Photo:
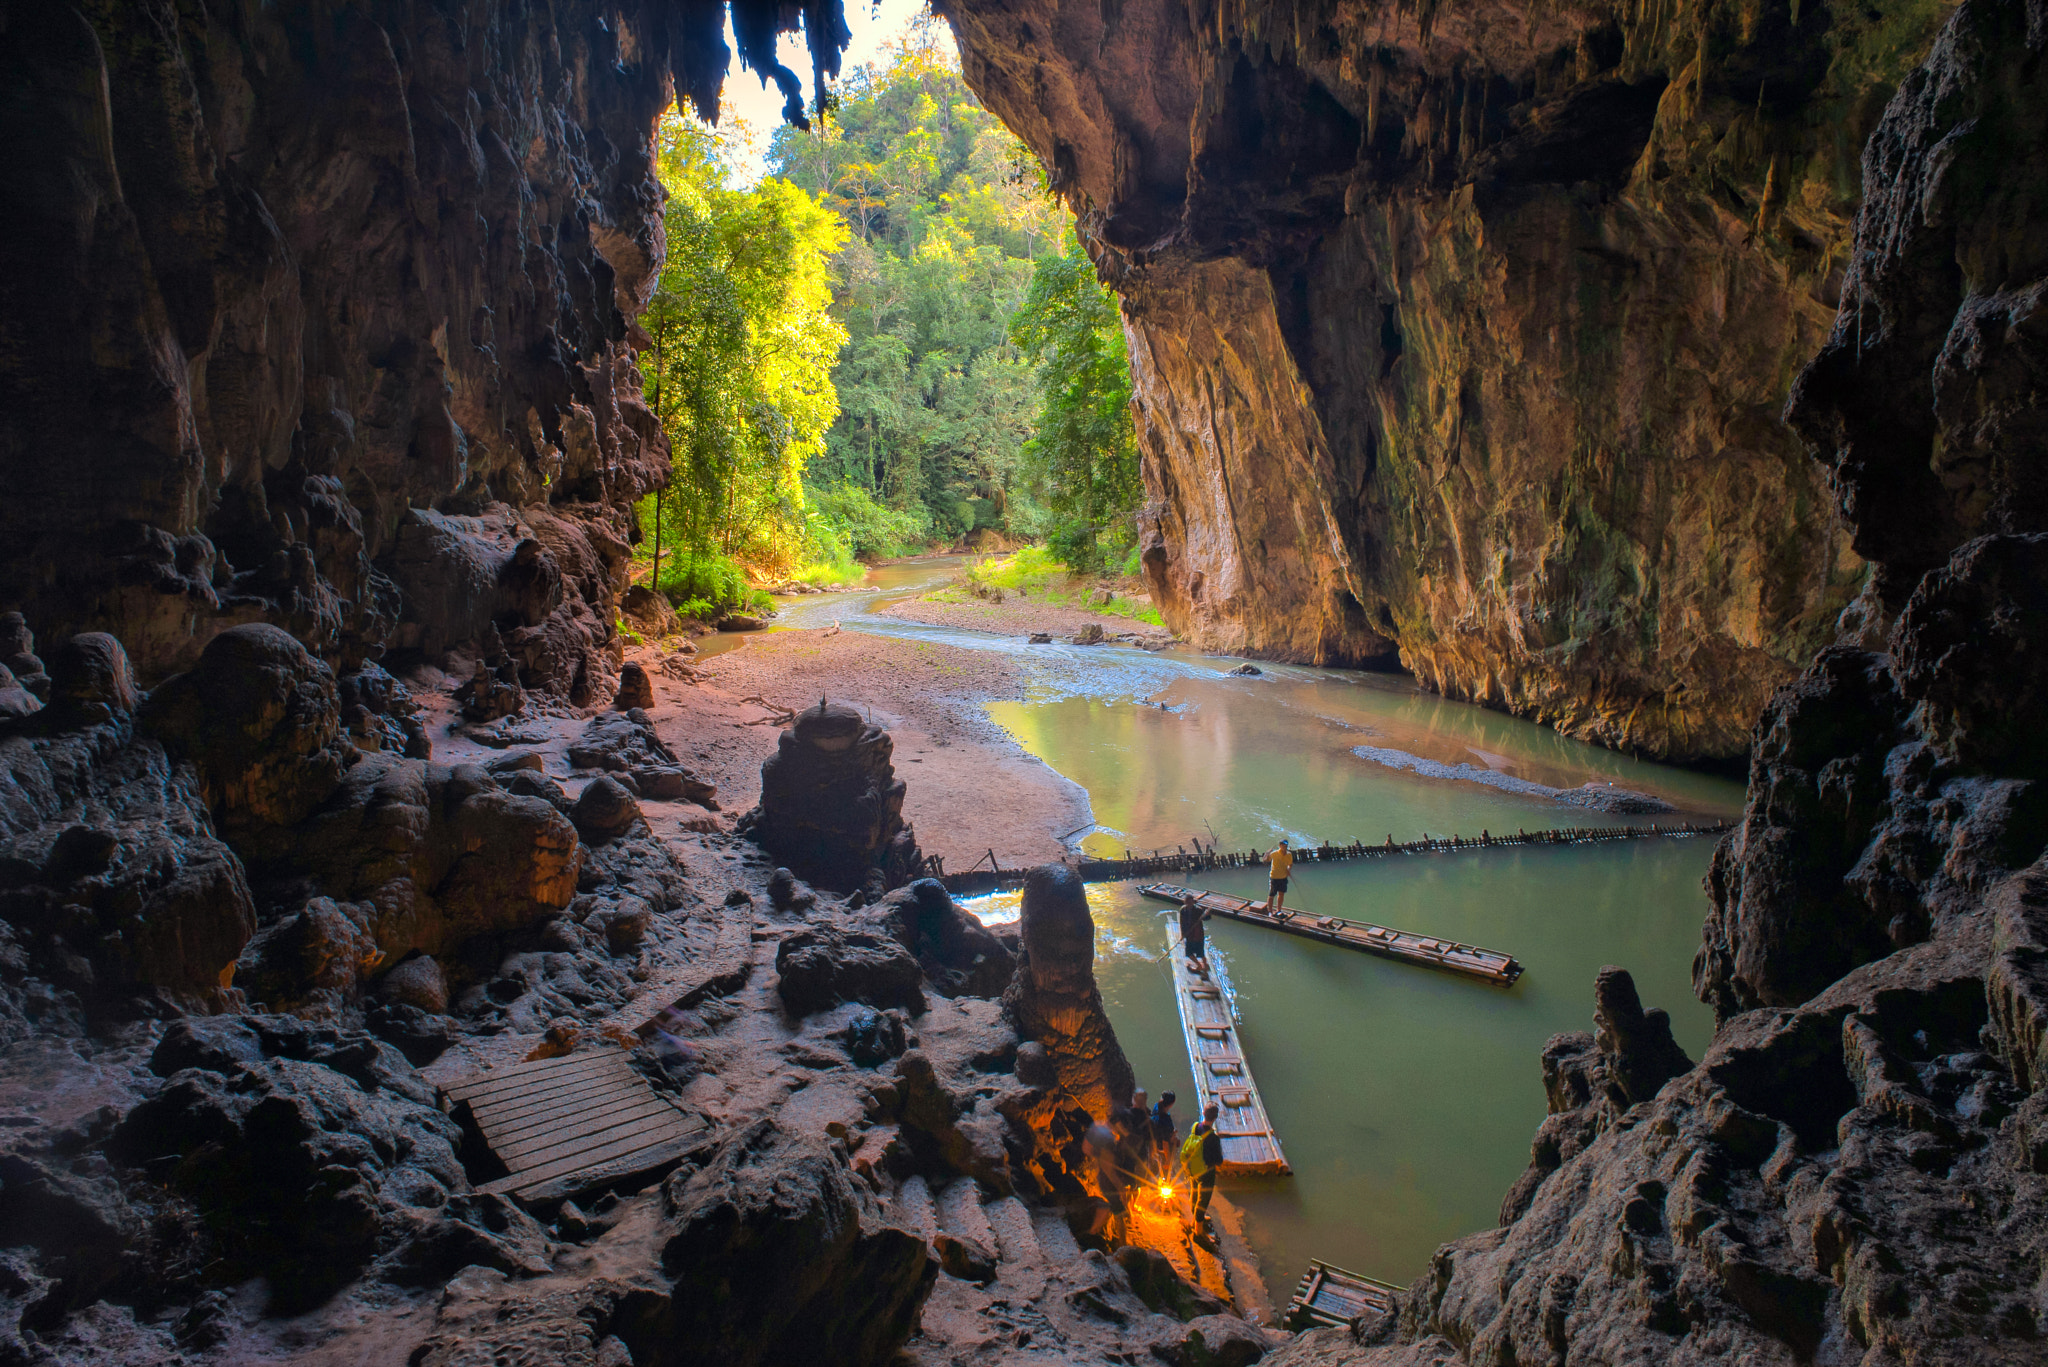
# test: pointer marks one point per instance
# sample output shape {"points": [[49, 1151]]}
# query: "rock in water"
{"points": [[1089, 635], [636, 689], [773, 1263], [831, 804], [1054, 1001]]}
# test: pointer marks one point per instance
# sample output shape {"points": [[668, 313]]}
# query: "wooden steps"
{"points": [[1216, 1057], [1487, 965], [567, 1125], [1330, 1295]]}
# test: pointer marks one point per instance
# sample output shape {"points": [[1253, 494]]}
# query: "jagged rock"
{"points": [[1154, 1282], [1090, 634], [1222, 1341], [112, 878], [775, 1258], [788, 893], [959, 955], [648, 611], [488, 695], [392, 716], [625, 743], [874, 1037], [15, 700], [963, 1257], [624, 926], [1053, 1000], [303, 1146], [822, 966], [18, 656], [261, 720], [636, 689], [416, 981], [315, 959], [604, 810], [831, 804]]}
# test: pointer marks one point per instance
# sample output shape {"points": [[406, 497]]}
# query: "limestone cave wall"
{"points": [[1461, 333], [314, 313]]}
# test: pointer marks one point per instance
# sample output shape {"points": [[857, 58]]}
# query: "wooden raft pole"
{"points": [[1330, 1295], [1216, 1057], [1202, 858], [1430, 951]]}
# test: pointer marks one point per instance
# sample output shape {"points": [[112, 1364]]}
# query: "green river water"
{"points": [[1405, 1098]]}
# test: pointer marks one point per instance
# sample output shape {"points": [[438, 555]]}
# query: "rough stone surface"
{"points": [[1053, 1000], [959, 955], [778, 1257], [831, 804], [315, 359], [823, 966], [1460, 334]]}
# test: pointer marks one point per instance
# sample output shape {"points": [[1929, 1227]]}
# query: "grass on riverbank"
{"points": [[1034, 573]]}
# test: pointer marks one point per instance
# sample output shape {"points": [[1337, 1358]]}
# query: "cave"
{"points": [[1669, 377]]}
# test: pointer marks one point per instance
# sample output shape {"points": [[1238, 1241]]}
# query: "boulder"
{"points": [[626, 743], [636, 689], [605, 809], [1090, 634], [304, 1147], [1247, 671], [787, 892], [831, 804], [261, 720], [874, 1037], [965, 1257], [314, 959], [959, 955], [416, 981], [1040, 638], [91, 681], [16, 701], [823, 966], [625, 925], [647, 611], [772, 1261], [1053, 999]]}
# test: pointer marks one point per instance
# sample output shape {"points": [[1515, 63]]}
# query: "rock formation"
{"points": [[831, 804], [1858, 1167], [1054, 1002], [1460, 334], [330, 318]]}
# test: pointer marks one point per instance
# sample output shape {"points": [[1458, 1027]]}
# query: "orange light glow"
{"points": [[1165, 1192]]}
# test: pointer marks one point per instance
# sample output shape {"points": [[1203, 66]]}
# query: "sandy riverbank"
{"points": [[1021, 617]]}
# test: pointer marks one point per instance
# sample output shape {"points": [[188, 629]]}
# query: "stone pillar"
{"points": [[1053, 1001]]}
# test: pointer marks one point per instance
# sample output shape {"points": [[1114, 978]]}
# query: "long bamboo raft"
{"points": [[1330, 1295], [1202, 858], [1216, 1056], [1430, 951]]}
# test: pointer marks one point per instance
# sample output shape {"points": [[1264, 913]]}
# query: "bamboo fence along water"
{"points": [[1431, 951], [1202, 858], [1208, 1021]]}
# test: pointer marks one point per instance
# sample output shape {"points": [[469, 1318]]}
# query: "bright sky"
{"points": [[875, 24]]}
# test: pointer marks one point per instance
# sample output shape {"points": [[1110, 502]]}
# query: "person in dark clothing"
{"points": [[1192, 936], [1212, 1158], [1099, 1146], [1163, 1127]]}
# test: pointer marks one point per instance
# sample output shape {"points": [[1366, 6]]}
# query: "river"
{"points": [[1405, 1098]]}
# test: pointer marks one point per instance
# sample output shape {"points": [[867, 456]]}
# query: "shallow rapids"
{"points": [[1405, 1098]]}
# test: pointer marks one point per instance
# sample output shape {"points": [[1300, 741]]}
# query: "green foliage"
{"points": [[707, 585], [945, 212], [1085, 455], [738, 372], [1035, 572], [848, 522]]}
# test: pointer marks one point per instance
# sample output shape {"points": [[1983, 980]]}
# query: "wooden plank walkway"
{"points": [[1203, 857], [1330, 1295], [571, 1124], [1488, 965], [1216, 1057]]}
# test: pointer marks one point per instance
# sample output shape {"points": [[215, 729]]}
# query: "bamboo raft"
{"points": [[1330, 1295], [1216, 1056], [1488, 965], [1202, 857], [564, 1127]]}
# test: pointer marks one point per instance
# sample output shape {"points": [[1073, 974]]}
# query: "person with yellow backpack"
{"points": [[1201, 1153]]}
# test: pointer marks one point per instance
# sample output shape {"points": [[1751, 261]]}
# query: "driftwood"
{"points": [[778, 714]]}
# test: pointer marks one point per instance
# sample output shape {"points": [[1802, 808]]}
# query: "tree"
{"points": [[1085, 455], [742, 343]]}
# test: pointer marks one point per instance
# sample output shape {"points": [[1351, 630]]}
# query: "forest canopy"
{"points": [[838, 354]]}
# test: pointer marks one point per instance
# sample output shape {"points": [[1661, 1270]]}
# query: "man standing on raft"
{"points": [[1280, 861], [1193, 941]]}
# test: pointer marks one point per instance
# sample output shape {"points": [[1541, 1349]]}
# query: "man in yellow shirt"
{"points": [[1280, 861]]}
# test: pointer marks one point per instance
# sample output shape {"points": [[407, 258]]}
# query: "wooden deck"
{"points": [[1485, 964], [1330, 1295], [577, 1123], [1217, 1058]]}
